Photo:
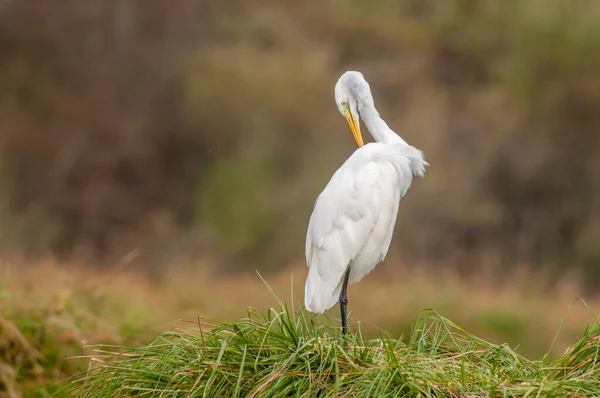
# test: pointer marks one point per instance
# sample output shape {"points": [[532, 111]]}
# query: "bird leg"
{"points": [[344, 301]]}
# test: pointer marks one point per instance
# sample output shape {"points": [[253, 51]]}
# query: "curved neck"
{"points": [[377, 127]]}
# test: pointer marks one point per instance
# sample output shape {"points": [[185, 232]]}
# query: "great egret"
{"points": [[353, 219]]}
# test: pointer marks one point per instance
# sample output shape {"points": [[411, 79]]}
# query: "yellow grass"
{"points": [[512, 311], [50, 313]]}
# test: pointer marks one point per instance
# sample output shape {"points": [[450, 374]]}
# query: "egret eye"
{"points": [[345, 106]]}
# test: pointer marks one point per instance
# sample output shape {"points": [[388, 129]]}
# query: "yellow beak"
{"points": [[354, 126]]}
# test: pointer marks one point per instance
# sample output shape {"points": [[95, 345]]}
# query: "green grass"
{"points": [[288, 353], [49, 317], [45, 328]]}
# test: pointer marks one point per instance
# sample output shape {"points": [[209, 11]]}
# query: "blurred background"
{"points": [[159, 153]]}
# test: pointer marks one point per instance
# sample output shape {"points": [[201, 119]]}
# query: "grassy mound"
{"points": [[287, 353]]}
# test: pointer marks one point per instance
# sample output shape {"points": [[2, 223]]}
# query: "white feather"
{"points": [[354, 216]]}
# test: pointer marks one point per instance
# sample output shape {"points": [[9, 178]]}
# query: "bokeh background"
{"points": [[155, 155]]}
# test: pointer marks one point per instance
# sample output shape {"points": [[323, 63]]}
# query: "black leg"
{"points": [[344, 301]]}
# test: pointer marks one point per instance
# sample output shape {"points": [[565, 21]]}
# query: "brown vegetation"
{"points": [[208, 127]]}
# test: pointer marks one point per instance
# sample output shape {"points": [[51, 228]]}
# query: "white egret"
{"points": [[353, 219]]}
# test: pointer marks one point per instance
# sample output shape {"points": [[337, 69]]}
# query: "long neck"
{"points": [[378, 127]]}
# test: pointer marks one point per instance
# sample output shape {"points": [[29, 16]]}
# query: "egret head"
{"points": [[351, 93]]}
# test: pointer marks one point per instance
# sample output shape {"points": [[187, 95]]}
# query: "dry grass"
{"points": [[53, 312]]}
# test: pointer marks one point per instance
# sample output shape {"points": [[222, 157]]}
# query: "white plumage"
{"points": [[353, 218]]}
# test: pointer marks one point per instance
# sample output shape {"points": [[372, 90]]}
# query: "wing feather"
{"points": [[344, 216]]}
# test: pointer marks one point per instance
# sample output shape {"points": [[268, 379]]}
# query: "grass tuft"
{"points": [[281, 352]]}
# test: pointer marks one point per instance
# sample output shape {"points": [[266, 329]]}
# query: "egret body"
{"points": [[353, 219]]}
